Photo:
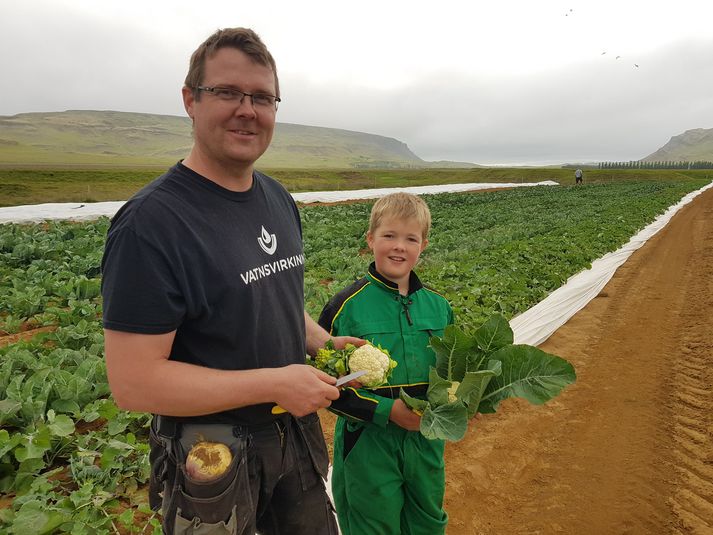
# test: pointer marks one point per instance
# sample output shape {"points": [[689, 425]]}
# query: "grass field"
{"points": [[36, 185]]}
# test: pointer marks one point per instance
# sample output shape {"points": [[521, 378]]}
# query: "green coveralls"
{"points": [[386, 480]]}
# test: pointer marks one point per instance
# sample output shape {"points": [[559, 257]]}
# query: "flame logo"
{"points": [[267, 241]]}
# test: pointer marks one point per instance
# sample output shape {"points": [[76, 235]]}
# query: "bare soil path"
{"points": [[628, 449]]}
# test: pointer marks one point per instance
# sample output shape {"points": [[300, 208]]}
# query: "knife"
{"points": [[346, 378], [340, 382]]}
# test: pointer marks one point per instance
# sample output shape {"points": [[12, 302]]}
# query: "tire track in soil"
{"points": [[692, 501], [628, 449]]}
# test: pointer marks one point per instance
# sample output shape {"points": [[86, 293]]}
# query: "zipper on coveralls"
{"points": [[405, 302]]}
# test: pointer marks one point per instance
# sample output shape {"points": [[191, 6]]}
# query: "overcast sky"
{"points": [[498, 82]]}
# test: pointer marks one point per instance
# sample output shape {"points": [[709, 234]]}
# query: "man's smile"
{"points": [[242, 132]]}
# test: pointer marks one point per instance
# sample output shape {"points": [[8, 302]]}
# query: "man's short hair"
{"points": [[243, 39], [401, 206]]}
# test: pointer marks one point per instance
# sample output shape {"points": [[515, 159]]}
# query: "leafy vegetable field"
{"points": [[70, 461], [493, 252]]}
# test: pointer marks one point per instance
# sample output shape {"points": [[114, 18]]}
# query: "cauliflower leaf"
{"points": [[474, 373]]}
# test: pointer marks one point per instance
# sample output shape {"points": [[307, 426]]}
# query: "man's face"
{"points": [[229, 132]]}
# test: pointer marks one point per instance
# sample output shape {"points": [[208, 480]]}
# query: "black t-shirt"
{"points": [[224, 269]]}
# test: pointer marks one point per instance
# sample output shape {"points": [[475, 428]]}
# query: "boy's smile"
{"points": [[397, 245]]}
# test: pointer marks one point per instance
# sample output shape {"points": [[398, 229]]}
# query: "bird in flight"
{"points": [[635, 65], [617, 57]]}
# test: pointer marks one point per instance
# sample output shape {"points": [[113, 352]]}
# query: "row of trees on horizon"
{"points": [[638, 164]]}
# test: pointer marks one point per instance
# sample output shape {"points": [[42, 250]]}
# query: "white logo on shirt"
{"points": [[272, 268], [267, 241]]}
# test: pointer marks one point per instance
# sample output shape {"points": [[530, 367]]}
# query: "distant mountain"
{"points": [[121, 138], [692, 145]]}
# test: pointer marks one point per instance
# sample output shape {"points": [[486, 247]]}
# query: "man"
{"points": [[578, 176], [204, 314]]}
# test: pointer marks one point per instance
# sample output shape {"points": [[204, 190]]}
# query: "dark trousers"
{"points": [[273, 486]]}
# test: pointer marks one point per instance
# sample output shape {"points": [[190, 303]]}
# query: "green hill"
{"points": [[119, 138], [691, 146]]}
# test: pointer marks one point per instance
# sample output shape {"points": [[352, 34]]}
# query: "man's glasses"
{"points": [[228, 94]]}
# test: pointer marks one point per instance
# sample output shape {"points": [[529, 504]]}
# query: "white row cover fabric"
{"points": [[537, 324], [336, 196], [36, 213]]}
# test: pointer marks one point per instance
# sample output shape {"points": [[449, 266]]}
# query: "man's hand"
{"points": [[301, 389], [341, 341], [404, 417]]}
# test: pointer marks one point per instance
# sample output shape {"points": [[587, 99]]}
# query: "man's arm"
{"points": [[142, 379], [318, 336]]}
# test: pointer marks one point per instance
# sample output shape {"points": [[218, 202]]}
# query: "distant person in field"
{"points": [[578, 176], [204, 316], [388, 479]]}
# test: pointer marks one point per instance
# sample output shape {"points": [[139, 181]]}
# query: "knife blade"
{"points": [[346, 378]]}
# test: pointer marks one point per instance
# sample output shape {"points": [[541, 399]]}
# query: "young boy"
{"points": [[388, 479]]}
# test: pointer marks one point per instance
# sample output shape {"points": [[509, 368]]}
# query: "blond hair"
{"points": [[401, 206]]}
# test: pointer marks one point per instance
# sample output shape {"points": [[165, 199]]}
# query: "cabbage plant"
{"points": [[475, 372]]}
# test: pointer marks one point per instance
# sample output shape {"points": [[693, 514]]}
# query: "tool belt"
{"points": [[182, 499]]}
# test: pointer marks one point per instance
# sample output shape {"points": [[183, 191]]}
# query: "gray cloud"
{"points": [[597, 109], [66, 59]]}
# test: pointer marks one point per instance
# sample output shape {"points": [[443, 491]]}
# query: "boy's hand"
{"points": [[404, 417]]}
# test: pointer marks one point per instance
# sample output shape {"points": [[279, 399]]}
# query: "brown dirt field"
{"points": [[7, 339], [628, 449]]}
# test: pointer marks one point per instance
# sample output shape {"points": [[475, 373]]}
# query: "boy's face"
{"points": [[397, 245]]}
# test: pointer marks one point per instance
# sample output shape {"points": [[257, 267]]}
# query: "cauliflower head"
{"points": [[375, 361], [452, 391]]}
